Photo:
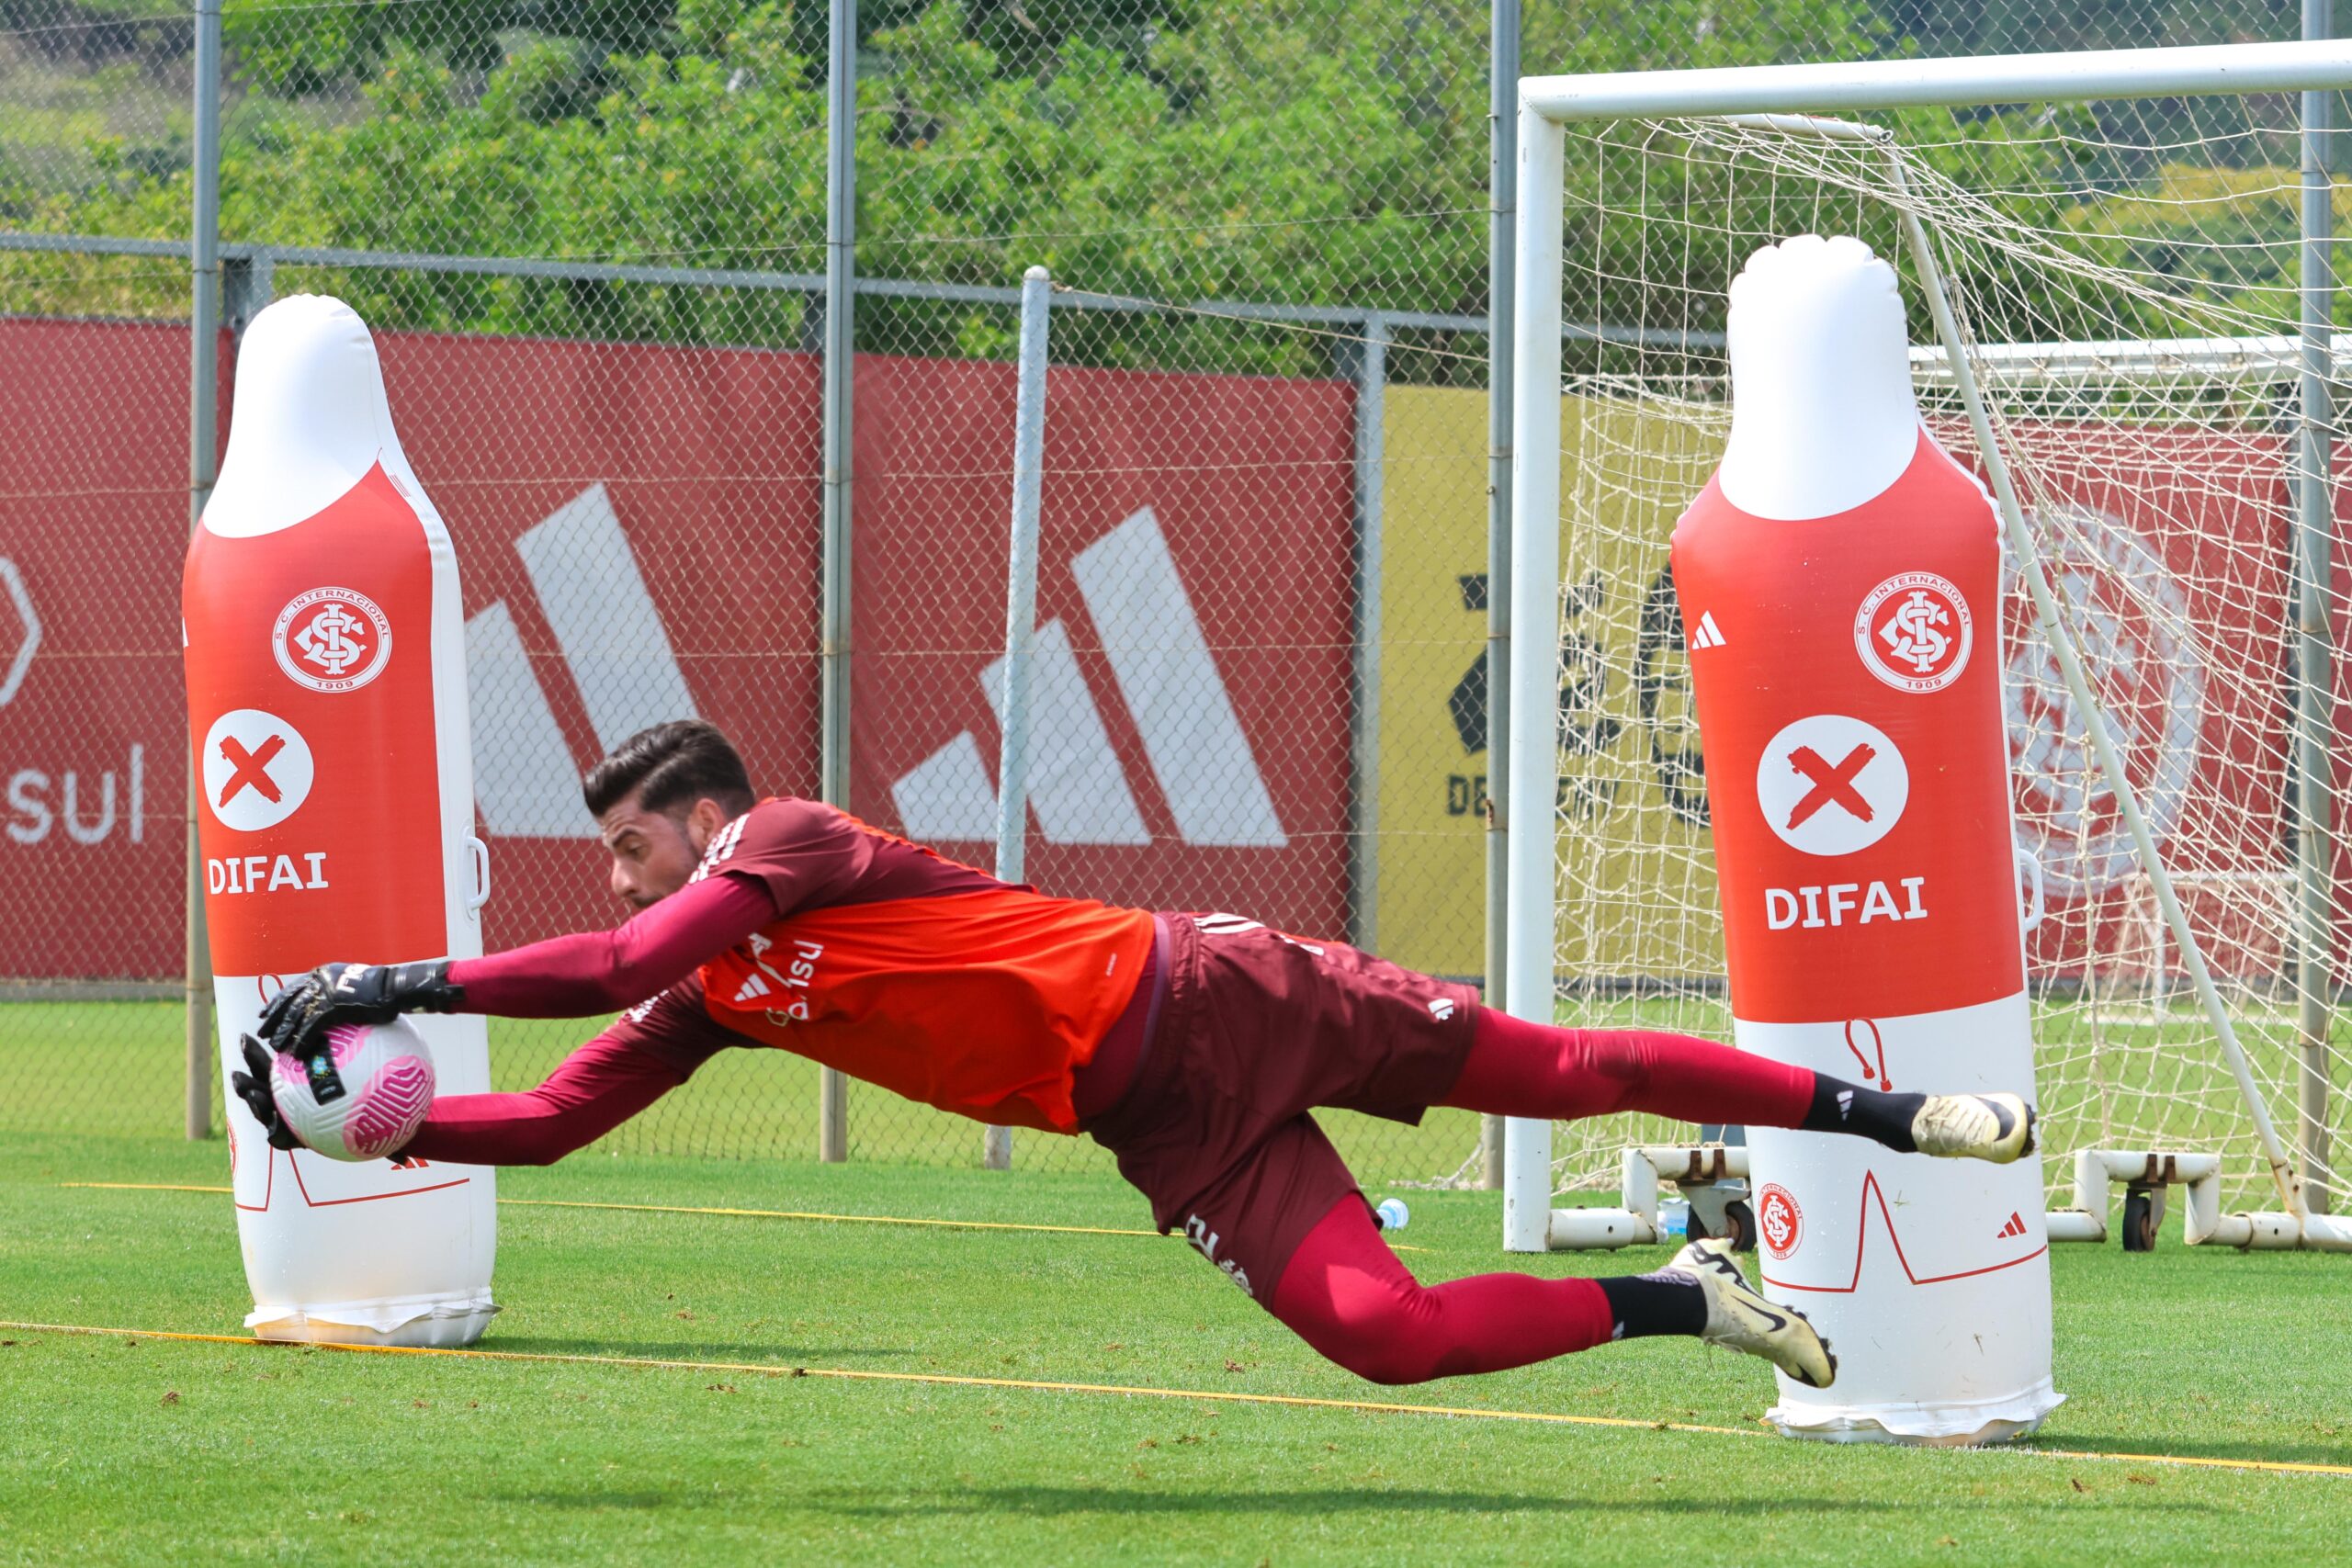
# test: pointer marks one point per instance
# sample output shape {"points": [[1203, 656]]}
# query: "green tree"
{"points": [[1325, 153]]}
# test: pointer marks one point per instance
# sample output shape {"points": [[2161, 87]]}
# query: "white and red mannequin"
{"points": [[327, 677], [1848, 690]]}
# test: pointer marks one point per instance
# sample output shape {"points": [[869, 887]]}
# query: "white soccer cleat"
{"points": [[1740, 1319], [1996, 1127]]}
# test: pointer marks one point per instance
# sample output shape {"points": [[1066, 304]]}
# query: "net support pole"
{"points": [[2315, 642], [833, 646], [203, 469], [1021, 611], [2062, 643], [1531, 767], [1365, 361], [1502, 308]]}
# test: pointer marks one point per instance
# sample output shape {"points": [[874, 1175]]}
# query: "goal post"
{"points": [[2117, 270]]}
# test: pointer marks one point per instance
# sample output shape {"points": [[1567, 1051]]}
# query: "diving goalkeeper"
{"points": [[1193, 1046]]}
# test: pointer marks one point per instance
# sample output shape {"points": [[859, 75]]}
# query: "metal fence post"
{"points": [[203, 469], [2315, 662], [248, 283], [1365, 362], [840, 283], [1021, 610], [1502, 229]]}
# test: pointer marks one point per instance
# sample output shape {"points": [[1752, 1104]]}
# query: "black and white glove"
{"points": [[252, 1087], [297, 1019]]}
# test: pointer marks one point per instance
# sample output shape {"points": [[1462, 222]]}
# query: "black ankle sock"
{"points": [[1841, 1107], [1644, 1304]]}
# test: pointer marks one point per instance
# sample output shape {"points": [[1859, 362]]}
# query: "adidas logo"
{"points": [[1845, 1103], [1240, 925], [1442, 1009], [587, 583], [1226, 925], [626, 675], [1168, 679], [1706, 634], [754, 985], [2014, 1228]]}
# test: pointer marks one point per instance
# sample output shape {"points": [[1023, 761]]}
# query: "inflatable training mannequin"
{"points": [[1843, 576], [327, 691]]}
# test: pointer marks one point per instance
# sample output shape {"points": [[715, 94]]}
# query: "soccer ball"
{"points": [[364, 1097]]}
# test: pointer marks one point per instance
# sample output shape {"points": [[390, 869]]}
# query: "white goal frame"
{"points": [[1790, 98]]}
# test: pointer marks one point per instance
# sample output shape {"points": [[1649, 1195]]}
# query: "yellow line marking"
{"points": [[943, 1379], [2276, 1466], [1377, 1407], [731, 1214], [1299, 1402]]}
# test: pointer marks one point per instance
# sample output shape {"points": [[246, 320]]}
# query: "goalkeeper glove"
{"points": [[297, 1019], [252, 1087]]}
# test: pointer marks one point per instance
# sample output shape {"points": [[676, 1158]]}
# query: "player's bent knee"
{"points": [[1385, 1344]]}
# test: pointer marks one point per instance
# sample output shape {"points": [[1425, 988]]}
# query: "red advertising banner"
{"points": [[93, 744], [638, 532]]}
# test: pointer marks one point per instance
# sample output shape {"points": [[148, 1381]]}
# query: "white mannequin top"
{"points": [[309, 420], [1823, 414]]}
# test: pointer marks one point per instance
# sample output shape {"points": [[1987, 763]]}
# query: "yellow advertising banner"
{"points": [[1636, 895]]}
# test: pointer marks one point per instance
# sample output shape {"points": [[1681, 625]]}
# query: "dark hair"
{"points": [[669, 766]]}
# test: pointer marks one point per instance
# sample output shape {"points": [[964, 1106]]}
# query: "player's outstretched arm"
{"points": [[598, 972], [566, 976], [612, 1078]]}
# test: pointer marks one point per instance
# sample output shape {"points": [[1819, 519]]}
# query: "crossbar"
{"points": [[1847, 86]]}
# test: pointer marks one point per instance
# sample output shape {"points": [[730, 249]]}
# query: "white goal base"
{"points": [[2202, 1223], [1635, 1222]]}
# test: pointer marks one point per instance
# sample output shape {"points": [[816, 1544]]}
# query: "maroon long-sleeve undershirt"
{"points": [[621, 1071], [646, 1054], [600, 972]]}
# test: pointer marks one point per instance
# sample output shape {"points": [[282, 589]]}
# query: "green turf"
{"points": [[158, 1452]]}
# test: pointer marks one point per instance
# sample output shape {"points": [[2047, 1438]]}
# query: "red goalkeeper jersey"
{"points": [[905, 969]]}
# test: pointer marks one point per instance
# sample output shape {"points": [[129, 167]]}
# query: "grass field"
{"points": [[151, 1451]]}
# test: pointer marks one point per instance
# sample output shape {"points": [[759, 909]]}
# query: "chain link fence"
{"points": [[592, 242]]}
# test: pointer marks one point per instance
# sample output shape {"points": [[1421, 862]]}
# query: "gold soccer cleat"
{"points": [[1742, 1320], [1996, 1127]]}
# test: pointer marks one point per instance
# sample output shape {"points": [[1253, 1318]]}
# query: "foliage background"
{"points": [[1326, 152]]}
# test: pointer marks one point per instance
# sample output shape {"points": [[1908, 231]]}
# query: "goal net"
{"points": [[2124, 276]]}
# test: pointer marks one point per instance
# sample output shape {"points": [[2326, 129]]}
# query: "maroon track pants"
{"points": [[1347, 1295]]}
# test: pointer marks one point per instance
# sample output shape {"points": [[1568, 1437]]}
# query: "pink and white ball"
{"points": [[365, 1096]]}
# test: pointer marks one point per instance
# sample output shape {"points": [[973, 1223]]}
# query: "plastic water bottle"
{"points": [[1674, 1217], [1394, 1216]]}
